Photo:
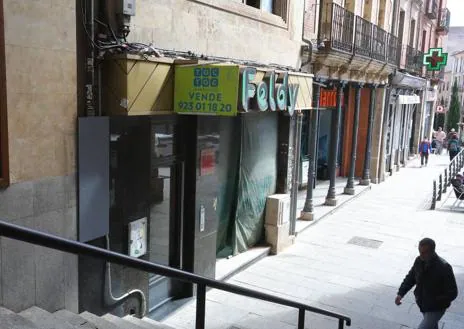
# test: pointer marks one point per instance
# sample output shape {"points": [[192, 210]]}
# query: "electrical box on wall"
{"points": [[138, 237], [126, 7]]}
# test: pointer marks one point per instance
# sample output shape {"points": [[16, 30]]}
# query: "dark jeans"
{"points": [[452, 154], [431, 319], [426, 157]]}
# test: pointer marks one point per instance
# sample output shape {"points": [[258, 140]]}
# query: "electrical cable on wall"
{"points": [[109, 44], [109, 298]]}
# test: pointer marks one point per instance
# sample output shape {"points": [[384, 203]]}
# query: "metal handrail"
{"points": [[454, 167], [55, 242]]}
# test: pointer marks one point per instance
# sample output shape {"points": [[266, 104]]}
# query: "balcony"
{"points": [[393, 47], [342, 29], [414, 60], [362, 37], [444, 21], [379, 40], [354, 35], [432, 9]]}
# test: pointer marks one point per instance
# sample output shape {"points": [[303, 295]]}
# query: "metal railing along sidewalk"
{"points": [[54, 242], [443, 181]]}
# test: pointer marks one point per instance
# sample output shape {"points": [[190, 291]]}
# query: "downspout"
{"points": [[307, 41]]}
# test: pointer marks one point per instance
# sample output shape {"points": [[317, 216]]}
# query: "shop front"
{"points": [[403, 119], [245, 106], [193, 152], [324, 114]]}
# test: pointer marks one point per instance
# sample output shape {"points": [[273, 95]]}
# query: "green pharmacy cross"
{"points": [[435, 59]]}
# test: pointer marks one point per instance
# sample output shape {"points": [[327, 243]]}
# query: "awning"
{"points": [[405, 80], [408, 99], [305, 93]]}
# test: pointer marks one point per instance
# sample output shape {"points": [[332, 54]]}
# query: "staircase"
{"points": [[37, 318]]}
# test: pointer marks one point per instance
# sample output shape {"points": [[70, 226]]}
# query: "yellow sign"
{"points": [[206, 89]]}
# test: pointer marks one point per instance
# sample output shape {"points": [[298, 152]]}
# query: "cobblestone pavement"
{"points": [[360, 279]]}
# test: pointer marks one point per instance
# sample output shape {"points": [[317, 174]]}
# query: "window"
{"points": [[412, 32], [424, 40], [276, 7], [4, 169]]}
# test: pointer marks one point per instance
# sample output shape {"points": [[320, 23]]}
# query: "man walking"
{"points": [[453, 147], [424, 149], [440, 136], [435, 284]]}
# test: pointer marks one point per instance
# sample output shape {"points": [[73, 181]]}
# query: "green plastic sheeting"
{"points": [[246, 180]]}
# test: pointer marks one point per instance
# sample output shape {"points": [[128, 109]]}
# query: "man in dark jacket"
{"points": [[435, 284]]}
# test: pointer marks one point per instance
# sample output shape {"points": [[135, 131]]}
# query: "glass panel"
{"points": [[160, 215], [162, 140]]}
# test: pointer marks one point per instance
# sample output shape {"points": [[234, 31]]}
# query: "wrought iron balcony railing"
{"points": [[414, 59], [363, 37], [379, 38], [432, 9], [342, 29], [392, 50], [444, 21]]}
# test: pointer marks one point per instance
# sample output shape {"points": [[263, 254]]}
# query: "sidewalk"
{"points": [[352, 262], [319, 195]]}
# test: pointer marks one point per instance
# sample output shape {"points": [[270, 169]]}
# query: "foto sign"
{"points": [[272, 93], [206, 89], [328, 98]]}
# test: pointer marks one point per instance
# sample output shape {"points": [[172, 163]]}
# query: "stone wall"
{"points": [[40, 47], [220, 28]]}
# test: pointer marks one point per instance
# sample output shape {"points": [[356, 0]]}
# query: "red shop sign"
{"points": [[328, 98], [207, 161]]}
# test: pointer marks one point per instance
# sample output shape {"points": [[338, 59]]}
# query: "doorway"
{"points": [[389, 140], [165, 211], [147, 183]]}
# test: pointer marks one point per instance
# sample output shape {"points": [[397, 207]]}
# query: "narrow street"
{"points": [[358, 279]]}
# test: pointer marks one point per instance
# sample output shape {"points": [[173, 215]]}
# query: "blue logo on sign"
{"points": [[206, 77]]}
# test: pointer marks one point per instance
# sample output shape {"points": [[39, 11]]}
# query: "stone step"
{"points": [[44, 319], [75, 320], [11, 320], [145, 323], [122, 323], [37, 318], [100, 322], [156, 324]]}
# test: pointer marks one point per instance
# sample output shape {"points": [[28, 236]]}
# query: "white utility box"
{"points": [[277, 222], [277, 209]]}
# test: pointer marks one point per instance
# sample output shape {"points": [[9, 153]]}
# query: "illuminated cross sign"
{"points": [[435, 59]]}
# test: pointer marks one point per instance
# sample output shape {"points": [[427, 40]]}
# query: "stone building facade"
{"points": [[38, 114]]}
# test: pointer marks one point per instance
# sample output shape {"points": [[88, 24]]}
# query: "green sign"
{"points": [[206, 89], [435, 59]]}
